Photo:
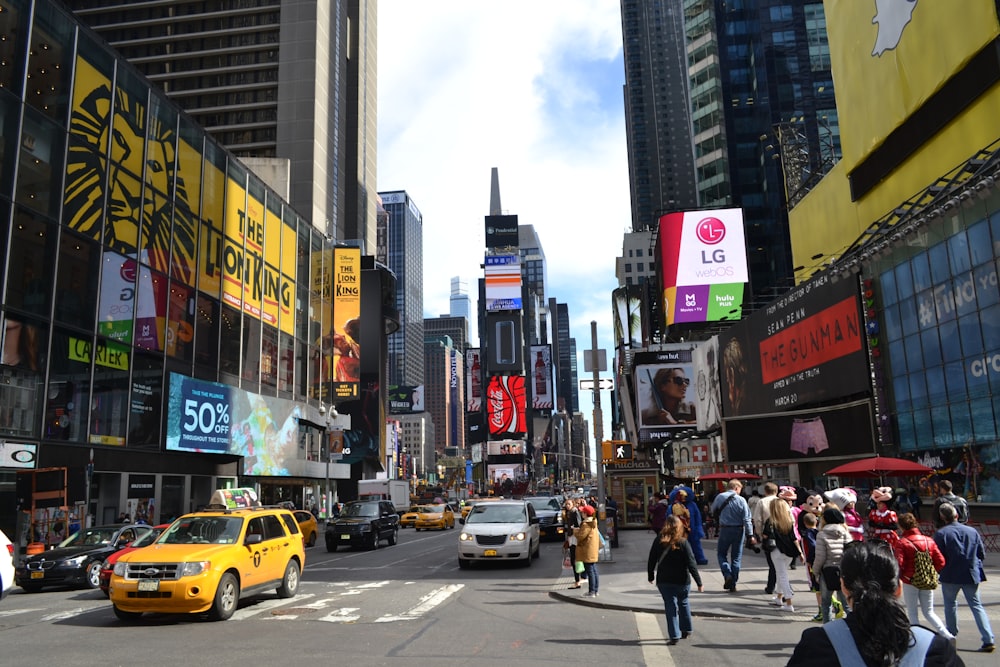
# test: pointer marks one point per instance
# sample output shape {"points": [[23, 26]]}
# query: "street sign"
{"points": [[603, 384], [616, 451]]}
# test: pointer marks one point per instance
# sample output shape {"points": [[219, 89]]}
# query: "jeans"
{"points": [[591, 570], [826, 599], [676, 607], [772, 577], [971, 593], [913, 595], [730, 551]]}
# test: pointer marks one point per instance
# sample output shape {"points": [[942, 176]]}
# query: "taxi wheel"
{"points": [[123, 615], [227, 597], [290, 582], [312, 540], [92, 575]]}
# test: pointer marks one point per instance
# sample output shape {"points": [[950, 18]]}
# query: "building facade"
{"points": [[405, 253]]}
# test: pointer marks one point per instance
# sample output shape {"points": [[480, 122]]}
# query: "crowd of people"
{"points": [[871, 572]]}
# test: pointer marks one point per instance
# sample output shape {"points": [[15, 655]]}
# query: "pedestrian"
{"points": [[571, 519], [877, 631], [915, 502], [679, 509], [881, 519], [945, 495], [831, 539], [963, 551], [808, 528], [761, 513], [909, 544], [781, 528], [735, 528], [658, 512], [671, 565], [697, 524], [588, 545]]}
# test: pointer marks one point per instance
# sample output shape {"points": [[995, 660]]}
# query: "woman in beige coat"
{"points": [[588, 545], [830, 542]]}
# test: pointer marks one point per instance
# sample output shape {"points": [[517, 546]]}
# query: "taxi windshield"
{"points": [[203, 530]]}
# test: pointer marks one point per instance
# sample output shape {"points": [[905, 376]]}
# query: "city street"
{"points": [[411, 603]]}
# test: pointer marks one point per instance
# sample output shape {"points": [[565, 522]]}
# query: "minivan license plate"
{"points": [[490, 552]]}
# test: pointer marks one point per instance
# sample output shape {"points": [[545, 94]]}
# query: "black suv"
{"points": [[363, 523], [550, 517]]}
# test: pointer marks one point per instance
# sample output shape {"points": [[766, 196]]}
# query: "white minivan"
{"points": [[499, 531]]}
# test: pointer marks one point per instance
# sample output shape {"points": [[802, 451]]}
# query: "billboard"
{"points": [[628, 306], [703, 263], [504, 343], [505, 448], [806, 347], [501, 231], [345, 328], [473, 380], [663, 396], [405, 399], [707, 387], [503, 282], [846, 430], [541, 377], [505, 405]]}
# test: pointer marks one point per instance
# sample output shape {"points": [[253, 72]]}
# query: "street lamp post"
{"points": [[331, 425]]}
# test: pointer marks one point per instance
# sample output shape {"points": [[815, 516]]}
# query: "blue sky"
{"points": [[534, 88]]}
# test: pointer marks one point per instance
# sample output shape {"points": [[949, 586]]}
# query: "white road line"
{"points": [[63, 615], [267, 605], [652, 640], [427, 602], [12, 612], [343, 615]]}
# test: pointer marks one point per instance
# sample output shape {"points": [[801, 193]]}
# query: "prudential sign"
{"points": [[704, 260]]}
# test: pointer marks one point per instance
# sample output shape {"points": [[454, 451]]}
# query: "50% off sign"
{"points": [[206, 424]]}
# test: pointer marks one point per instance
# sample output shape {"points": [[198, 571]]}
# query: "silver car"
{"points": [[499, 531]]}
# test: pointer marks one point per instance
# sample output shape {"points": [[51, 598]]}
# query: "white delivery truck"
{"points": [[395, 490]]}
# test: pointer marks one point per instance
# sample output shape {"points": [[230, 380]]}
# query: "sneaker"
{"points": [[685, 635], [787, 607], [987, 648], [818, 618], [838, 609], [727, 584], [672, 641], [776, 601]]}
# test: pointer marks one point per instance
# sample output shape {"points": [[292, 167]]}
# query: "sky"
{"points": [[533, 88]]}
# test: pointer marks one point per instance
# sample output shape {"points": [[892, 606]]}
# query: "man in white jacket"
{"points": [[761, 513]]}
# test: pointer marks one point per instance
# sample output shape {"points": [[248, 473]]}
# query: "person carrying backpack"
{"points": [[919, 560], [945, 495]]}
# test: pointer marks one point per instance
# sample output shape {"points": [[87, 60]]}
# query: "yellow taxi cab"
{"points": [[435, 516], [308, 526], [207, 561], [409, 517], [469, 504]]}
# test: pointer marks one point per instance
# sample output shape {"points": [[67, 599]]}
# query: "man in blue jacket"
{"points": [[963, 551], [734, 528]]}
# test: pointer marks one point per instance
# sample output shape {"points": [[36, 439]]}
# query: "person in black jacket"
{"points": [[671, 565], [877, 631]]}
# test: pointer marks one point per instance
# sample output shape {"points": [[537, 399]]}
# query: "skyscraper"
{"points": [[460, 305], [404, 251], [288, 86], [533, 275]]}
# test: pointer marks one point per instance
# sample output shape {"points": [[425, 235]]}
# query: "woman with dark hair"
{"points": [[671, 565], [831, 539], [876, 632]]}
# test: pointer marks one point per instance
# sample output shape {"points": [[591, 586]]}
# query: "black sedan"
{"points": [[76, 561], [550, 518]]}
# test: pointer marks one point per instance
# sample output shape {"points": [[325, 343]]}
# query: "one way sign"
{"points": [[616, 451]]}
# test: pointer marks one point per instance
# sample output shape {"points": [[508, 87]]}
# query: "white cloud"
{"points": [[534, 88]]}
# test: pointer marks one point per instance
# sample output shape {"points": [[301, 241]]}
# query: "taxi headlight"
{"points": [[196, 567], [120, 569], [465, 537], [518, 537]]}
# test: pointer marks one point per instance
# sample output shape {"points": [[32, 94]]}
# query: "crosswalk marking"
{"points": [[12, 612], [342, 615], [63, 615], [427, 602], [267, 605]]}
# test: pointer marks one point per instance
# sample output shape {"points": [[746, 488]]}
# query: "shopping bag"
{"points": [[578, 567]]}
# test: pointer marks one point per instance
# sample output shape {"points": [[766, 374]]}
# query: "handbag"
{"points": [[578, 567], [831, 577], [769, 544]]}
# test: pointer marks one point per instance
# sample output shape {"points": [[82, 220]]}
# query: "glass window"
{"points": [[30, 269], [24, 343], [50, 61], [990, 319], [39, 171], [918, 390], [941, 425], [269, 357], [67, 395], [23, 347], [302, 352], [9, 116], [251, 357], [930, 347], [897, 357], [76, 283], [188, 175], [971, 335], [117, 300], [983, 424], [958, 252], [901, 392], [951, 347], [908, 316], [180, 322], [954, 378], [147, 399], [980, 248], [286, 363], [108, 409], [893, 327], [938, 258], [907, 437], [921, 275], [904, 279], [206, 338], [183, 245], [995, 232], [922, 432], [984, 278], [887, 285], [161, 147], [151, 310], [230, 331], [14, 27]]}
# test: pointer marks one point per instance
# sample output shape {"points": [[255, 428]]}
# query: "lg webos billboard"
{"points": [[703, 261], [803, 348]]}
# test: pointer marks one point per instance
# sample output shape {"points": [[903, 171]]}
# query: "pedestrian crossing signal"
{"points": [[616, 451]]}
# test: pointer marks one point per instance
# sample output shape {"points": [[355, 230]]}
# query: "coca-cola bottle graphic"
{"points": [[540, 376], [476, 380]]}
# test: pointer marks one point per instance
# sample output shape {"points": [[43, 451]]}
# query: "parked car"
{"points": [[76, 561], [308, 526], [363, 523], [110, 561], [435, 516], [501, 530], [206, 562], [550, 517], [6, 565]]}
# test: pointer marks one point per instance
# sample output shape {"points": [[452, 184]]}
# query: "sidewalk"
{"points": [[623, 586]]}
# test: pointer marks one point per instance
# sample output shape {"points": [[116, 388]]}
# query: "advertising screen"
{"points": [[803, 348], [503, 282], [501, 231], [473, 380], [703, 261], [505, 405], [665, 400], [405, 399], [541, 377], [707, 390], [628, 306]]}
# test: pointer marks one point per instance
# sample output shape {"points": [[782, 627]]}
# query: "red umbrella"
{"points": [[726, 476], [880, 466]]}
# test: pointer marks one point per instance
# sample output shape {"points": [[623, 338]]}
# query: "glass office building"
{"points": [[140, 256]]}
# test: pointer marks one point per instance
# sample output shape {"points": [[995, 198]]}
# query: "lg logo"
{"points": [[711, 231]]}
